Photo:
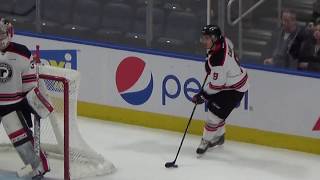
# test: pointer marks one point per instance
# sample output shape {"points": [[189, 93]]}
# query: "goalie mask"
{"points": [[6, 33]]}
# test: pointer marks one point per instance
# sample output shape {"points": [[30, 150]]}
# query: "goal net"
{"points": [[60, 135]]}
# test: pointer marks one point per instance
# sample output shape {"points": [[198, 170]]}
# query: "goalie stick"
{"points": [[37, 118], [27, 170]]}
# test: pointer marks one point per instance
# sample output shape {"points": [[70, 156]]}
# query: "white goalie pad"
{"points": [[37, 100]]}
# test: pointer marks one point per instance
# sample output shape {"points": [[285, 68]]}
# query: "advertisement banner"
{"points": [[60, 58], [146, 82]]}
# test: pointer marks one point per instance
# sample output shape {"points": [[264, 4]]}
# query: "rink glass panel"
{"points": [[166, 25]]}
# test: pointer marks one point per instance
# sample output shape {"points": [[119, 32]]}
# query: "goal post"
{"points": [[80, 160], [60, 135]]}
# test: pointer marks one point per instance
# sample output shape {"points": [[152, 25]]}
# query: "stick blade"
{"points": [[171, 165]]}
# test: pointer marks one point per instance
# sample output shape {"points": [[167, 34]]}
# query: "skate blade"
{"points": [[199, 156]]}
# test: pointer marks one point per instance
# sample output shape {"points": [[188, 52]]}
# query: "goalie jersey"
{"points": [[17, 73], [225, 72]]}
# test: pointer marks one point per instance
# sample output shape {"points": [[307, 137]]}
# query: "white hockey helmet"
{"points": [[6, 33]]}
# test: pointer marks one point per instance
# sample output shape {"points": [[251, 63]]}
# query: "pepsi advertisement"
{"points": [[129, 80], [135, 84]]}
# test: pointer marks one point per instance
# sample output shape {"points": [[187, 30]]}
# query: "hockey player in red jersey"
{"points": [[227, 82], [19, 97]]}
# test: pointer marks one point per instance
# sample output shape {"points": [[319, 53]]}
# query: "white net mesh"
{"points": [[83, 160]]}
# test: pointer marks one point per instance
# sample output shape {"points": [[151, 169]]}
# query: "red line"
{"points": [[17, 133]]}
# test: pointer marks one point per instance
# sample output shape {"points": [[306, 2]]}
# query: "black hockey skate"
{"points": [[204, 145]]}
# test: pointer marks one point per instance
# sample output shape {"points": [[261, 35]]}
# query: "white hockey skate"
{"points": [[39, 173], [204, 144], [29, 173]]}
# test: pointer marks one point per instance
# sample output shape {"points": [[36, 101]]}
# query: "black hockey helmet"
{"points": [[212, 30]]}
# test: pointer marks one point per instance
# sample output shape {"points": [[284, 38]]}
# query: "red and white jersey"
{"points": [[17, 73], [225, 70]]}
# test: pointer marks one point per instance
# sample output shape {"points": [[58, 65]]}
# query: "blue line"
{"points": [[164, 53]]}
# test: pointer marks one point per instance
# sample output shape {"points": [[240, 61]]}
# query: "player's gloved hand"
{"points": [[198, 99], [208, 70]]}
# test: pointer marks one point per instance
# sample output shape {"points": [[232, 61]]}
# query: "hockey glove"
{"points": [[198, 99]]}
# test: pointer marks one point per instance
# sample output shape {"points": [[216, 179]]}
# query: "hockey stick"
{"points": [[36, 117], [173, 163]]}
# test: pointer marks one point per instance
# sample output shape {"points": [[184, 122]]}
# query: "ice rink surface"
{"points": [[140, 154]]}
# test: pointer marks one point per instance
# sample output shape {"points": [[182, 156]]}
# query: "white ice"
{"points": [[140, 154]]}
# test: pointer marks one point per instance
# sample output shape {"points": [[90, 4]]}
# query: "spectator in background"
{"points": [[310, 54], [315, 16], [285, 42], [316, 12]]}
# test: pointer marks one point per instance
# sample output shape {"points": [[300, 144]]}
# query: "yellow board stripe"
{"points": [[174, 123]]}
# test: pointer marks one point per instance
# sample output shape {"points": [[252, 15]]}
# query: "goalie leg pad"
{"points": [[22, 140]]}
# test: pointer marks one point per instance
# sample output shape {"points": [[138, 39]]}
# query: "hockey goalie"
{"points": [[20, 97]]}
